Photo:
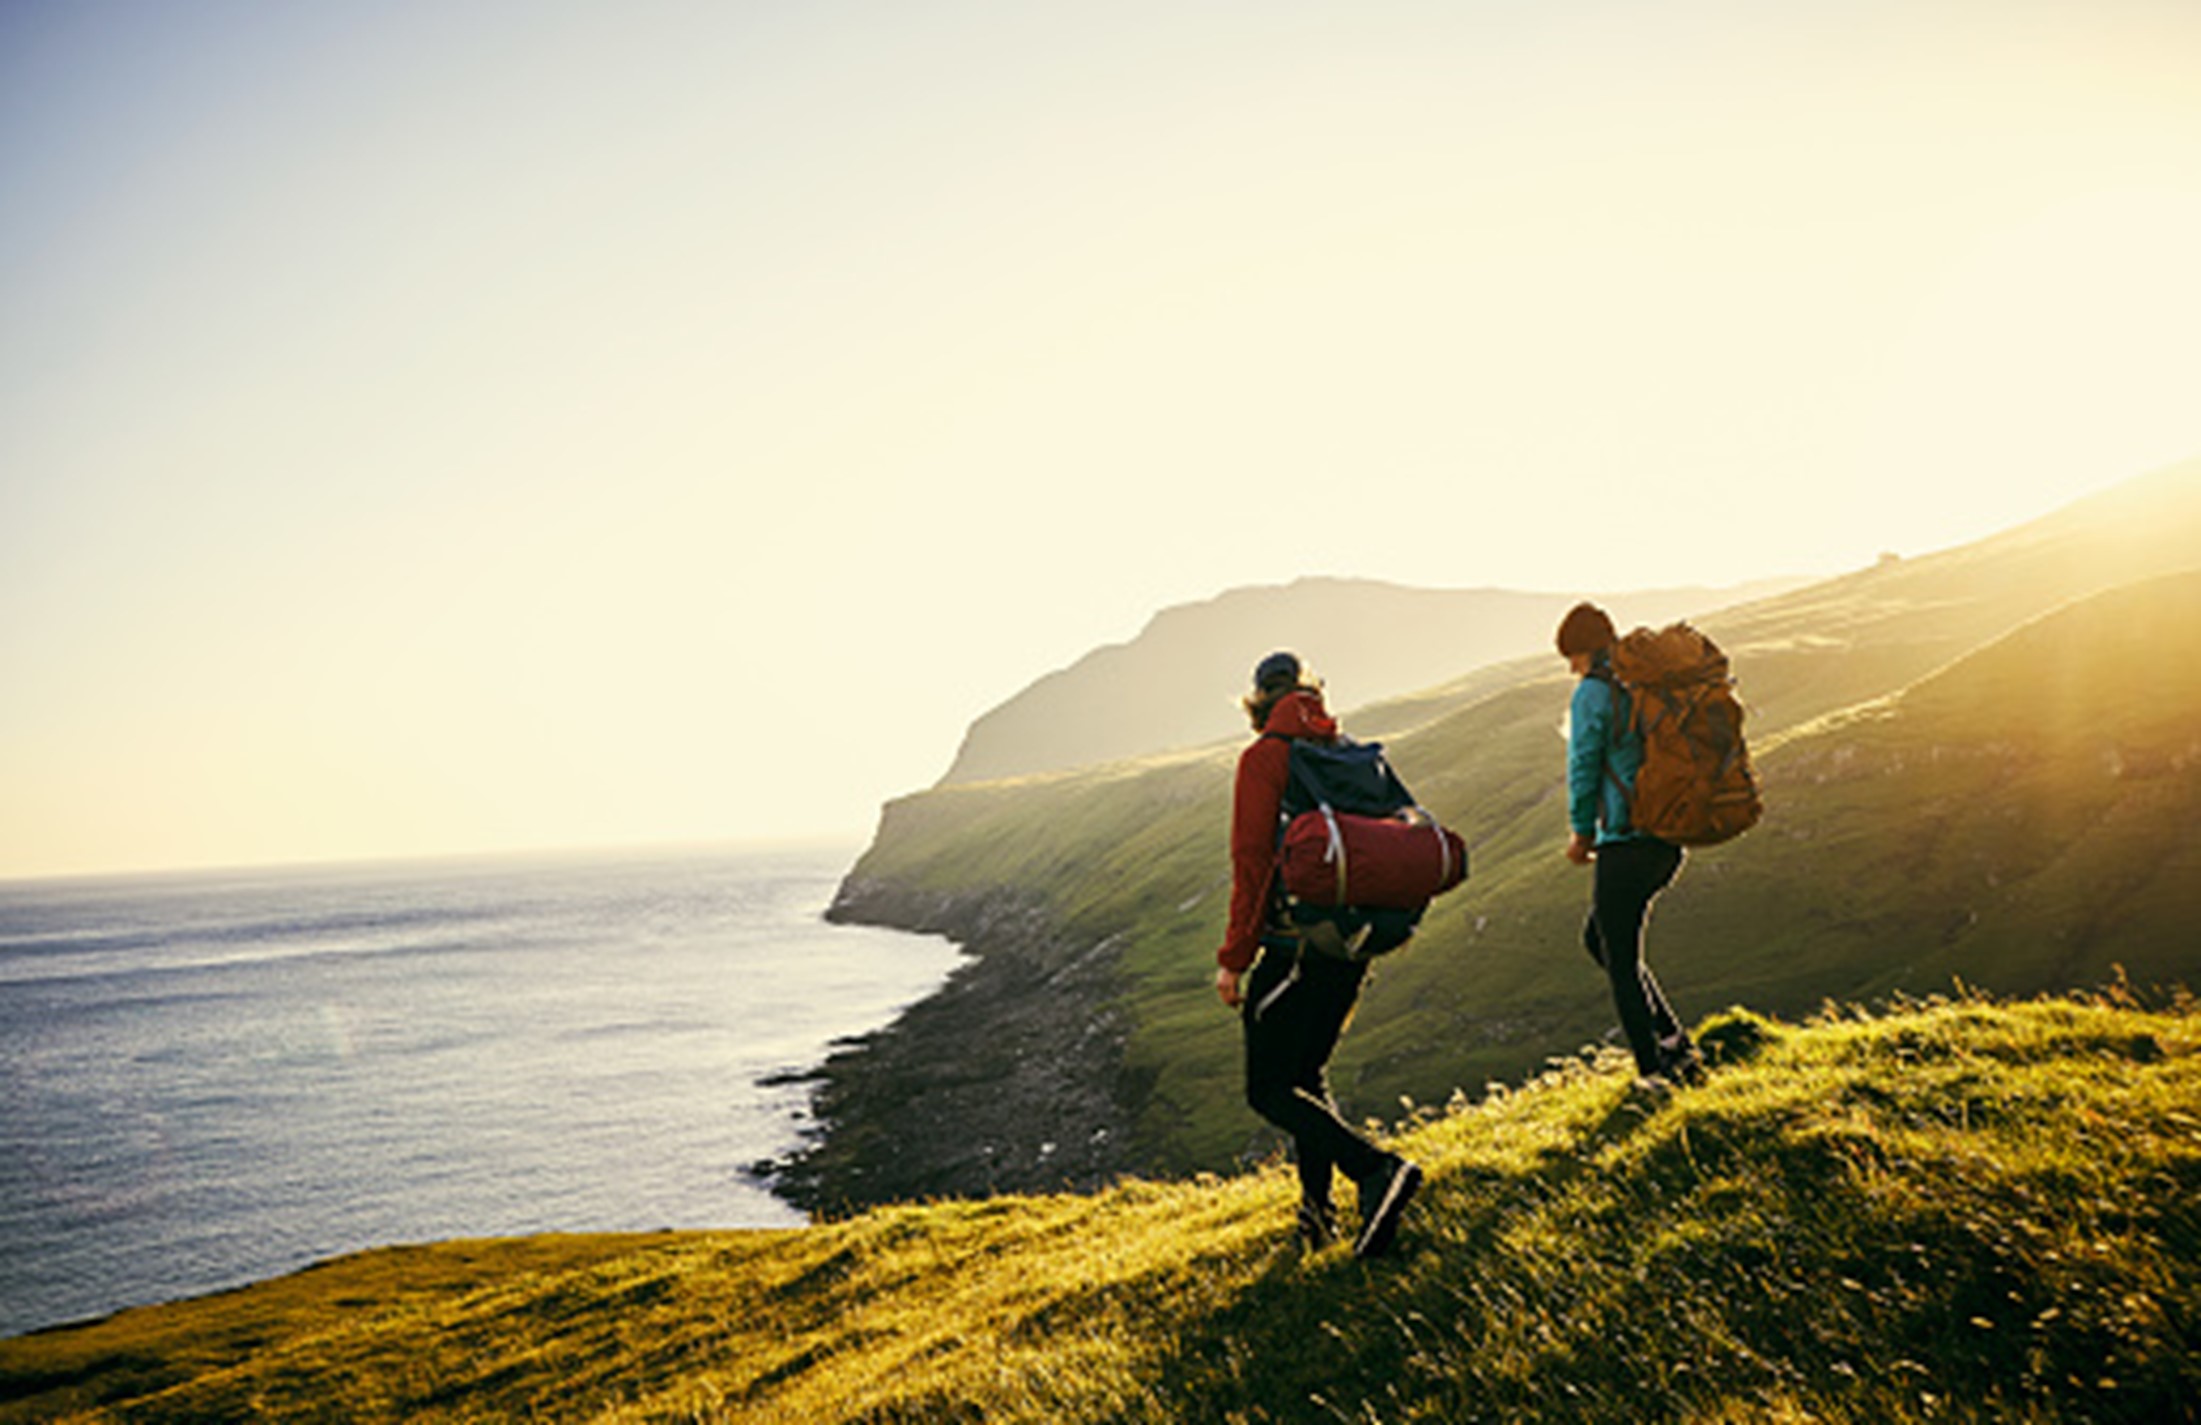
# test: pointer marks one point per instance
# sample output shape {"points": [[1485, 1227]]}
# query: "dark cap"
{"points": [[1278, 670]]}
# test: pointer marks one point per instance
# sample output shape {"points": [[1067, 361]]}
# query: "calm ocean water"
{"points": [[210, 1079]]}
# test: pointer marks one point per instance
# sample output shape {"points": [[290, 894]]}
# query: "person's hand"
{"points": [[1578, 849], [1226, 985]]}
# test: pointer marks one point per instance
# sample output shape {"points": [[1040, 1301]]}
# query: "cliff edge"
{"points": [[1010, 1079]]}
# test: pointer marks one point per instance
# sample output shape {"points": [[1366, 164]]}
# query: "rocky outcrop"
{"points": [[1010, 1079]]}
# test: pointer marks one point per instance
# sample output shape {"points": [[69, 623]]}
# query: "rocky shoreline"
{"points": [[1010, 1079]]}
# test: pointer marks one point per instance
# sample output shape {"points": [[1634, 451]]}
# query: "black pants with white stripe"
{"points": [[1296, 1008], [1629, 876]]}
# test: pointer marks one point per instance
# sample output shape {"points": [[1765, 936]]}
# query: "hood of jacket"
{"points": [[1301, 714]]}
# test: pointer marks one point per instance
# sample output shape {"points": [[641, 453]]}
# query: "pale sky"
{"points": [[437, 426]]}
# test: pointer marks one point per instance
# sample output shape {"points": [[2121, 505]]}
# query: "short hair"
{"points": [[1586, 629]]}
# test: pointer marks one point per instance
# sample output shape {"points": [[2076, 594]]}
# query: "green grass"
{"points": [[1956, 1209]]}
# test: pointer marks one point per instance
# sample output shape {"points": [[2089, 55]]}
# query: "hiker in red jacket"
{"points": [[1294, 1003]]}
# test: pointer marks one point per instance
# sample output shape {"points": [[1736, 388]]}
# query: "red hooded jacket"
{"points": [[1263, 770]]}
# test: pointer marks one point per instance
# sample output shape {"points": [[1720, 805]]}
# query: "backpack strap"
{"points": [[1295, 778], [1276, 921], [1334, 854], [1619, 727]]}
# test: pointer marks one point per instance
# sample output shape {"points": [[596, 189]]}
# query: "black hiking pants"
{"points": [[1296, 1007], [1629, 876]]}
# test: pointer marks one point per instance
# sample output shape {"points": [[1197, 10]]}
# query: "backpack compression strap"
{"points": [[1335, 853]]}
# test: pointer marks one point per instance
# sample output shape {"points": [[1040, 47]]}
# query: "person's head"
{"points": [[1584, 633], [1275, 678]]}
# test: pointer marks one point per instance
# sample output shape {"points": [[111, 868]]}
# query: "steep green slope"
{"points": [[2029, 802], [1857, 882], [1957, 1210]]}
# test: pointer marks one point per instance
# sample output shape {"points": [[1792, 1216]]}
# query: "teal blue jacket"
{"points": [[1603, 756]]}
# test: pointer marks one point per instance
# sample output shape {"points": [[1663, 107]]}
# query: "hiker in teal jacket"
{"points": [[1603, 756], [1604, 753]]}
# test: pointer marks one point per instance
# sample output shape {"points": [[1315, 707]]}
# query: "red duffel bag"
{"points": [[1332, 858]]}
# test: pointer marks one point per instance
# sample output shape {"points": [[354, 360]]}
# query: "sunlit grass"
{"points": [[1959, 1209]]}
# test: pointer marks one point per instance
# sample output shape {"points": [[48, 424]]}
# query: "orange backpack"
{"points": [[1696, 787]]}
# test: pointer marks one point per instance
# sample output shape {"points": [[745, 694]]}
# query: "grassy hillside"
{"points": [[2015, 820], [1950, 1210], [1930, 816]]}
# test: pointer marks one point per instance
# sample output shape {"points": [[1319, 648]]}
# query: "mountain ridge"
{"points": [[1174, 685]]}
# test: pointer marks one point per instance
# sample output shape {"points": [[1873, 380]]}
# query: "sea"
{"points": [[209, 1079]]}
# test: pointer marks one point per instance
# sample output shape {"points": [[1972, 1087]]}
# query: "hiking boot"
{"points": [[1317, 1225], [1383, 1198], [1679, 1063]]}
